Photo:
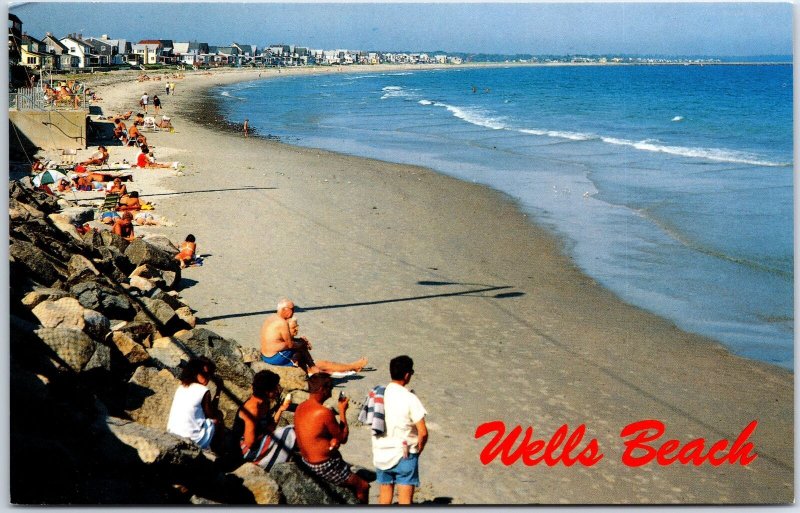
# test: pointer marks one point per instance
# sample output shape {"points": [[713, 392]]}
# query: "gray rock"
{"points": [[300, 487], [19, 211], [79, 264], [111, 303], [149, 397], [260, 483], [72, 348], [141, 332], [111, 239], [292, 378], [96, 325], [140, 252], [152, 446], [74, 215], [168, 352], [39, 265], [185, 314], [162, 242], [224, 353]]}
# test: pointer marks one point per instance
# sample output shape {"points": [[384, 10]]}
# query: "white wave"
{"points": [[475, 116], [225, 93], [425, 102], [716, 154], [229, 95], [677, 118], [398, 74], [396, 92], [359, 77], [572, 136]]}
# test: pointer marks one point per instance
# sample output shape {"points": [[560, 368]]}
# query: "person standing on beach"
{"points": [[245, 126], [320, 434], [172, 88], [166, 88], [143, 101], [396, 453], [156, 103]]}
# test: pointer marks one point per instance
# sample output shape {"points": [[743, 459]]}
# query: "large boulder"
{"points": [[150, 446], [292, 378], [113, 304], [19, 211], [36, 262], [224, 353], [260, 483], [134, 352], [300, 487], [40, 294], [142, 332], [79, 265], [111, 239], [67, 312], [149, 397], [74, 349], [168, 353], [141, 252]]}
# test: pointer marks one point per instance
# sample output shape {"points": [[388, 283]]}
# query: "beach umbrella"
{"points": [[49, 176]]}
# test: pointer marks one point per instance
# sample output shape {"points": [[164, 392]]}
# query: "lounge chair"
{"points": [[110, 202]]}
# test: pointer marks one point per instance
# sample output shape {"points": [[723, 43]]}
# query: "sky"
{"points": [[720, 29]]}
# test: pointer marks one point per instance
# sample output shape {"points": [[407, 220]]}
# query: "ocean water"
{"points": [[671, 185]]}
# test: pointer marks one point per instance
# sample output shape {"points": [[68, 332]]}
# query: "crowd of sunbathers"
{"points": [[395, 414]]}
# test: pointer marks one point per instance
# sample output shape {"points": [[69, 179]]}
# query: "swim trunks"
{"points": [[281, 358], [335, 470]]}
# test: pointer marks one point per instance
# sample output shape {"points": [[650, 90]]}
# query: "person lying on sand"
{"points": [[145, 160], [187, 250], [130, 202], [98, 158]]}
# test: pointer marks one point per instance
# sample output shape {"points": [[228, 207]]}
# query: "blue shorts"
{"points": [[406, 472], [281, 358]]}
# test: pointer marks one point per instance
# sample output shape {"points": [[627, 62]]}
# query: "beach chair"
{"points": [[68, 158], [110, 202], [150, 124]]}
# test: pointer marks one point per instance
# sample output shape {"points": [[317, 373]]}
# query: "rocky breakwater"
{"points": [[99, 334]]}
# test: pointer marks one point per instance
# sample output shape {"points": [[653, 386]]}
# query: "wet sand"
{"points": [[387, 259]]}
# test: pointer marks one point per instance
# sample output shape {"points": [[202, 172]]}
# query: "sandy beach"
{"points": [[385, 259]]}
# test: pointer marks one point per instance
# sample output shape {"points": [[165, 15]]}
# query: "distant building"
{"points": [[80, 49], [62, 59], [33, 53], [14, 39]]}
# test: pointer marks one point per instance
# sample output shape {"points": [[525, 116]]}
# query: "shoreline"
{"points": [[380, 265]]}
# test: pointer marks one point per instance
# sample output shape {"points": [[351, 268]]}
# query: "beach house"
{"points": [[33, 53], [14, 39], [62, 59], [81, 49]]}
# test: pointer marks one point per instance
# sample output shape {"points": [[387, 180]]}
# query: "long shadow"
{"points": [[212, 190], [369, 303]]}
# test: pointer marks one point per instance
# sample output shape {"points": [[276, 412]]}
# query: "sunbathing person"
{"points": [[123, 227], [125, 116], [130, 202], [139, 120], [164, 123], [187, 250], [133, 133], [144, 160], [308, 364], [255, 423], [120, 131], [117, 187], [98, 158]]}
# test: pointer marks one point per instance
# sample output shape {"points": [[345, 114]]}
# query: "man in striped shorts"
{"points": [[319, 435]]}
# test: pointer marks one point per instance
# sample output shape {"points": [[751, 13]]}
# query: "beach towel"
{"points": [[373, 412]]}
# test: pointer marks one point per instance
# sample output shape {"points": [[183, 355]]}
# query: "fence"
{"points": [[33, 98]]}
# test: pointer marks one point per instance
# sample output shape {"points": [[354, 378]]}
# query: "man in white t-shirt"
{"points": [[396, 453]]}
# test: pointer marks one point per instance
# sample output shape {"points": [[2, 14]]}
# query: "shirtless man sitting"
{"points": [[277, 346], [98, 158], [319, 435]]}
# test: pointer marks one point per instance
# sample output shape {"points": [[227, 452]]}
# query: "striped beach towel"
{"points": [[373, 411], [271, 449]]}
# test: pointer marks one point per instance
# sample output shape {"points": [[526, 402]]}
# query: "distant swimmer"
{"points": [[487, 90], [474, 89]]}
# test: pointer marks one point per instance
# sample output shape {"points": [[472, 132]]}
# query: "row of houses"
{"points": [[73, 51]]}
